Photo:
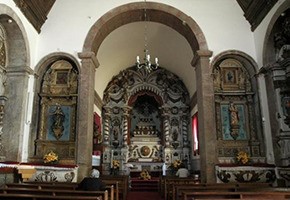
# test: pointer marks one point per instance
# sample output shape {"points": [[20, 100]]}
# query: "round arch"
{"points": [[185, 26], [133, 12], [18, 55], [268, 48]]}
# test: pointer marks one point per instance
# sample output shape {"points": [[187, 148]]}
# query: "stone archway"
{"points": [[18, 71], [184, 25]]}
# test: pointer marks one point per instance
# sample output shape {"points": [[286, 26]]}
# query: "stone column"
{"points": [[85, 115], [15, 111], [206, 116], [3, 99]]}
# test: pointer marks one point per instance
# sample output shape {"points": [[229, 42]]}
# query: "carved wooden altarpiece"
{"points": [[57, 119], [237, 128]]}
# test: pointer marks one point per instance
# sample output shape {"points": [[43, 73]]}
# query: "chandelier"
{"points": [[147, 65]]}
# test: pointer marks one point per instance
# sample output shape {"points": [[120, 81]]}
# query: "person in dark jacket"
{"points": [[92, 183]]}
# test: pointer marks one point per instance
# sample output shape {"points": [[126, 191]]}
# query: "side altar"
{"points": [[44, 172], [230, 173]]}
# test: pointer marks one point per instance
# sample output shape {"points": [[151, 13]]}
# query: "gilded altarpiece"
{"points": [[237, 128], [57, 119], [145, 120]]}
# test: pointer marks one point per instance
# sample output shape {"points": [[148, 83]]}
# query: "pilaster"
{"points": [[85, 115], [206, 116]]}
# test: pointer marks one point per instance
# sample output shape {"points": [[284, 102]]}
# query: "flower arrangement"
{"points": [[176, 164], [145, 175], [115, 164], [115, 167], [50, 158], [243, 157]]}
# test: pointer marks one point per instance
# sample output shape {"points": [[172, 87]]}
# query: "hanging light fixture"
{"points": [[147, 65]]}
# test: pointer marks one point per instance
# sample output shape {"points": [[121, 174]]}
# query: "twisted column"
{"points": [[185, 131]]}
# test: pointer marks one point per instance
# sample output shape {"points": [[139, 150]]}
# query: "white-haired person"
{"points": [[92, 183], [182, 172]]}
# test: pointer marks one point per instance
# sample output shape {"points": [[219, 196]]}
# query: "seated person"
{"points": [[92, 183], [182, 172]]}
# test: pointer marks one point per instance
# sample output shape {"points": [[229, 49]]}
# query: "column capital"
{"points": [[200, 54], [89, 56], [19, 70]]}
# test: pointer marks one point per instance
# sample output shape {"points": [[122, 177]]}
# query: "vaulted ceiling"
{"points": [[36, 11]]}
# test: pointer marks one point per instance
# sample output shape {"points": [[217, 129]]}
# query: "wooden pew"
{"points": [[23, 192], [51, 190], [111, 192], [121, 185], [42, 185], [116, 191], [170, 181], [36, 197], [235, 195], [178, 189]]}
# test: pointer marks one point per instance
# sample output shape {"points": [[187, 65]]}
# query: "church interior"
{"points": [[132, 88]]}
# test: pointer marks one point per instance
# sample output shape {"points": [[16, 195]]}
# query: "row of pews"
{"points": [[116, 189], [174, 188]]}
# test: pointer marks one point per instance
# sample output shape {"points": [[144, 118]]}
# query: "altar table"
{"points": [[44, 173]]}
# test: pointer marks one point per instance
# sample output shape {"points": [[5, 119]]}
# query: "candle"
{"points": [[112, 154]]}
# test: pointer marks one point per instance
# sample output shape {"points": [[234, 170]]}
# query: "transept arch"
{"points": [[178, 21]]}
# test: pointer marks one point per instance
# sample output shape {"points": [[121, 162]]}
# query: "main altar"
{"points": [[145, 120]]}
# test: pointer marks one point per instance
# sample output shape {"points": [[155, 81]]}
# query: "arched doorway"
{"points": [[184, 25]]}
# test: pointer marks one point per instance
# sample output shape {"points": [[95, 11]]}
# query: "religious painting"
{"points": [[230, 76], [59, 122], [232, 131], [61, 77]]}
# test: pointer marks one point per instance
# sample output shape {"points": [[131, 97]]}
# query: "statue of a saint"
{"points": [[234, 114], [58, 120]]}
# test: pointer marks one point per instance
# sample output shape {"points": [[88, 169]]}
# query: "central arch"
{"points": [[184, 25], [134, 12]]}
